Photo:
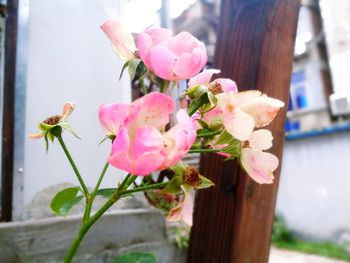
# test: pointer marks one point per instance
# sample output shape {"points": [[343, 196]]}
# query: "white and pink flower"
{"points": [[141, 146]]}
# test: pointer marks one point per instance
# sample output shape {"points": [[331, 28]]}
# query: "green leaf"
{"points": [[174, 185], [64, 210], [69, 128], [64, 200], [141, 69], [126, 64], [205, 183], [197, 103], [136, 257], [133, 64], [106, 192]]}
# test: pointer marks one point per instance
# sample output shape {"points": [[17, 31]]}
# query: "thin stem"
{"points": [[194, 110], [203, 151], [146, 188], [208, 134], [86, 226], [128, 180], [104, 170], [90, 200], [70, 159], [143, 86]]}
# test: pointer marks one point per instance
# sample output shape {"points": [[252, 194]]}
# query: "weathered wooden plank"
{"points": [[7, 153], [232, 221]]}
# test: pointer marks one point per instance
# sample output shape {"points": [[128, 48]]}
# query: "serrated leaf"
{"points": [[124, 67], [106, 192], [205, 183], [133, 64], [136, 257], [59, 202]]}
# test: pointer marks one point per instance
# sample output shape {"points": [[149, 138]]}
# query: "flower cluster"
{"points": [[218, 119]]}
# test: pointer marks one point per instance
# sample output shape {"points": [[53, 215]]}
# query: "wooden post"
{"points": [[233, 220], [8, 126]]}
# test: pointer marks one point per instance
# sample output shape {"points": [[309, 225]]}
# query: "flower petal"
{"points": [[120, 152], [161, 62], [189, 64], [260, 139], [259, 165], [179, 139], [203, 78], [112, 116], [227, 84], [263, 109], [68, 108], [239, 124], [153, 109], [184, 210], [123, 41]]}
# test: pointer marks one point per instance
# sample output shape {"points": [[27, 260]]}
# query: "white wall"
{"points": [[70, 59], [314, 195], [336, 24]]}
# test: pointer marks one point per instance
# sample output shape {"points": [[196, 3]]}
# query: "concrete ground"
{"points": [[286, 256]]}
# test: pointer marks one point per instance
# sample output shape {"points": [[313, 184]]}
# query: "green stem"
{"points": [[193, 110], [129, 179], [86, 226], [146, 188], [208, 134], [90, 199], [203, 151], [104, 170], [143, 86], [70, 159]]}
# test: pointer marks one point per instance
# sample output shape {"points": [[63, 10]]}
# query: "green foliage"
{"points": [[136, 257], [283, 238], [64, 200], [106, 192]]}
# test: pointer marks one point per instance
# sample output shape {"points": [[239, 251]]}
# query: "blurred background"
{"points": [[62, 55]]}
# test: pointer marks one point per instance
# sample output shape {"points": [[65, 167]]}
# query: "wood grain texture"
{"points": [[7, 154], [233, 220]]}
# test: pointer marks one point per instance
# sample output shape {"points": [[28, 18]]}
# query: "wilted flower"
{"points": [[170, 57], [184, 210], [49, 123]]}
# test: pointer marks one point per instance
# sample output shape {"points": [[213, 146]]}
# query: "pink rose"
{"points": [[171, 57], [141, 146]]}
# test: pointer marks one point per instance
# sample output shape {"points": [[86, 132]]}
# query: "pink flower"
{"points": [[171, 57], [245, 110], [219, 84], [141, 146], [122, 40], [259, 165], [184, 210]]}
